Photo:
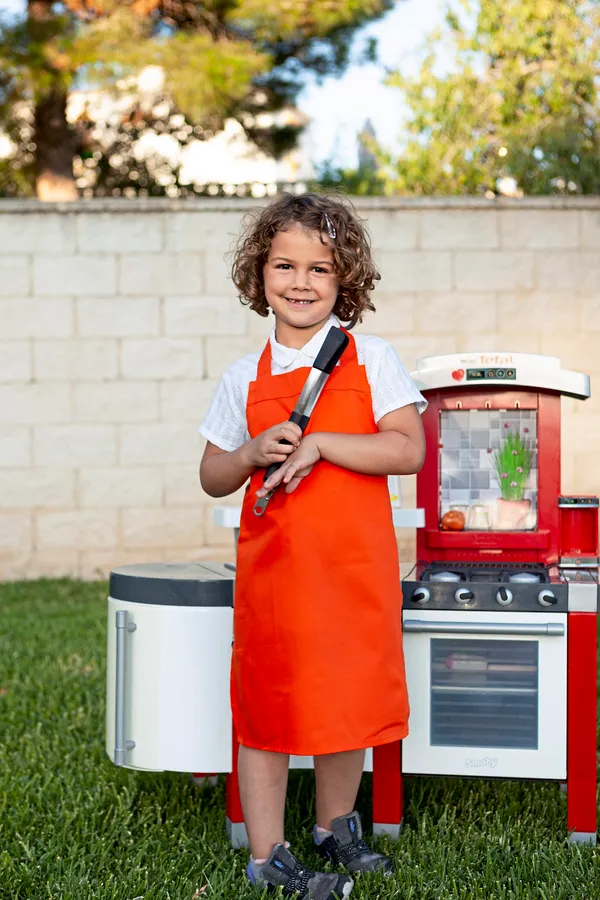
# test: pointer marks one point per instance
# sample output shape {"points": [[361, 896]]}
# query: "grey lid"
{"points": [[174, 584]]}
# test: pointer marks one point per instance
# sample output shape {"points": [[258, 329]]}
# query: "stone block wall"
{"points": [[117, 320]]}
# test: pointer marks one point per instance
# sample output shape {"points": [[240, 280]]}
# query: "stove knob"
{"points": [[504, 596], [464, 596], [547, 598], [421, 595]]}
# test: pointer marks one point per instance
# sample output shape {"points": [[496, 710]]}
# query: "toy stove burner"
{"points": [[492, 573], [508, 586]]}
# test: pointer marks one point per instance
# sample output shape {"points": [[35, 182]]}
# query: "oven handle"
{"points": [[546, 629]]}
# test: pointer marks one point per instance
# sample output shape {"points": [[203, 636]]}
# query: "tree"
{"points": [[516, 111], [220, 58]]}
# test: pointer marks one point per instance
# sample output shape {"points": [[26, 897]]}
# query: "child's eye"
{"points": [[320, 269], [283, 266]]}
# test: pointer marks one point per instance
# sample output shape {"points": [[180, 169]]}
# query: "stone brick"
{"points": [[182, 401], [97, 565], [193, 232], [221, 352], [110, 233], [74, 445], [590, 313], [36, 487], [81, 528], [161, 527], [557, 271], [81, 274], [537, 311], [539, 229], [117, 401], [162, 358], [73, 360], [493, 271], [35, 403], [459, 229], [182, 485], [501, 341], [117, 487], [589, 271], [217, 275], [587, 477], [122, 317], [189, 316], [391, 310], [590, 228], [197, 554], [147, 445], [37, 233], [393, 230], [416, 271], [258, 326], [24, 566], [15, 276], [460, 312], [49, 318], [166, 273], [15, 446], [15, 531], [15, 361], [410, 348], [577, 350]]}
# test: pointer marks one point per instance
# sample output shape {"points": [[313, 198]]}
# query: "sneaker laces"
{"points": [[298, 880], [352, 850]]}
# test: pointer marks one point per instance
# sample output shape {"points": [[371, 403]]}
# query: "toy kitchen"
{"points": [[499, 613]]}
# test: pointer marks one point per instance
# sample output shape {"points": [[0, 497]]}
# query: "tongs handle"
{"points": [[299, 420]]}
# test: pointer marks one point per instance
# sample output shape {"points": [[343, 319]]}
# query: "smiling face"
{"points": [[300, 284]]}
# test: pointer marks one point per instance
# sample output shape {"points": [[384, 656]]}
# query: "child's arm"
{"points": [[223, 472], [398, 449]]}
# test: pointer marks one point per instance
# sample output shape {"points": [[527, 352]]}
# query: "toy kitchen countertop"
{"points": [[229, 517]]}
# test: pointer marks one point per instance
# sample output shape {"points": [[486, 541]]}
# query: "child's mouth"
{"points": [[296, 302]]}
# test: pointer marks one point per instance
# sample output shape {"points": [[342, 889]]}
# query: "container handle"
{"points": [[121, 745], [543, 629]]}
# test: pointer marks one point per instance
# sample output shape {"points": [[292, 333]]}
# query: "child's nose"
{"points": [[301, 279]]}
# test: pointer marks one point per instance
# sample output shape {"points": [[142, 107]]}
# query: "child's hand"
{"points": [[266, 448], [298, 466]]}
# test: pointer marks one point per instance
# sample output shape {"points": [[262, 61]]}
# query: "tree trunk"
{"points": [[53, 138], [55, 147]]}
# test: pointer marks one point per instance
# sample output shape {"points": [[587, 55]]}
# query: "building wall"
{"points": [[117, 320]]}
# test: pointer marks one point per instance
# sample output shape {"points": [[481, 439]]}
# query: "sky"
{"points": [[339, 107]]}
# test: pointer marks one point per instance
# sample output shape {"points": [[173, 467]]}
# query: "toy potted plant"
{"points": [[513, 465]]}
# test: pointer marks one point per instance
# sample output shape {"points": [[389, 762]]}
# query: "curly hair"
{"points": [[331, 217]]}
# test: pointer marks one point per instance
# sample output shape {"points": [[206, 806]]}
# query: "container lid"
{"points": [[174, 584]]}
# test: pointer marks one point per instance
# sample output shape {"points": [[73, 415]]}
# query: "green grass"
{"points": [[75, 827]]}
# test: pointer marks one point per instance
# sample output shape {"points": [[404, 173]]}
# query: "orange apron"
{"points": [[317, 662]]}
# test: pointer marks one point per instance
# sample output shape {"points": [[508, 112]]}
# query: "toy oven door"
{"points": [[487, 694]]}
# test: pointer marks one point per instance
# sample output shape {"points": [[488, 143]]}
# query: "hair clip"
{"points": [[330, 228]]}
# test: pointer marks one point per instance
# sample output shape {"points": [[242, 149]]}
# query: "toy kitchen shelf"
{"points": [[229, 517]]}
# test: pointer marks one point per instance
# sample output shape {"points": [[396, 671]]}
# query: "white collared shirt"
{"points": [[391, 386]]}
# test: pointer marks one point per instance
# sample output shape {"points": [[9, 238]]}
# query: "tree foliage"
{"points": [[516, 109], [220, 58]]}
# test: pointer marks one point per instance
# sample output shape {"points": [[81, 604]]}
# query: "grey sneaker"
{"points": [[282, 869], [345, 847]]}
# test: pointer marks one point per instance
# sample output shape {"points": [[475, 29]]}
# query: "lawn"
{"points": [[75, 827]]}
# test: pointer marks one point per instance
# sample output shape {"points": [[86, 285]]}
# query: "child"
{"points": [[317, 665]]}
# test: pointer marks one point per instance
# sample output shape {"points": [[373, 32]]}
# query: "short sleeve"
{"points": [[391, 385], [225, 425]]}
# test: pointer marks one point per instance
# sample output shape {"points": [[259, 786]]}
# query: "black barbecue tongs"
{"points": [[327, 358]]}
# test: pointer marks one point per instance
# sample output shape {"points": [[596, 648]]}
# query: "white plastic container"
{"points": [[170, 630]]}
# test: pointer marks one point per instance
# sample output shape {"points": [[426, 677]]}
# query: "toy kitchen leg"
{"points": [[387, 789], [581, 728], [236, 828]]}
